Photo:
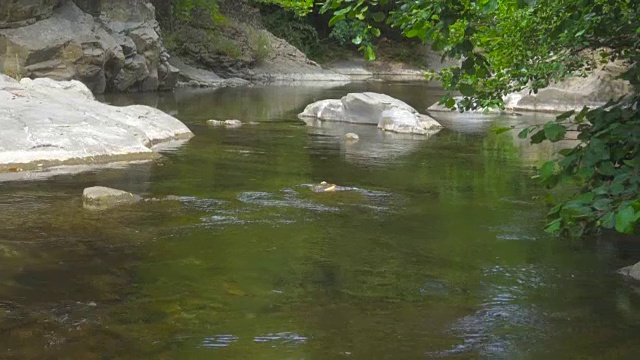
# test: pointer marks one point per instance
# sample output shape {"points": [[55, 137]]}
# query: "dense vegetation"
{"points": [[508, 45]]}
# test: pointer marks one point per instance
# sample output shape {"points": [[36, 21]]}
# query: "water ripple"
{"points": [[286, 338], [268, 199], [503, 318], [219, 341]]}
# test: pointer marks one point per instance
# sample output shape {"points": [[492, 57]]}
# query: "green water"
{"points": [[434, 248]]}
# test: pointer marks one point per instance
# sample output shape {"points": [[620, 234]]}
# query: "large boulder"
{"points": [[573, 93], [45, 122], [108, 45], [370, 108]]}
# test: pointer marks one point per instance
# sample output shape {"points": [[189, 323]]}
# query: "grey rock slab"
{"points": [[573, 93], [632, 271], [47, 122], [384, 111]]}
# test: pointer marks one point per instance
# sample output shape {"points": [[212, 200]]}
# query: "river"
{"points": [[434, 248]]}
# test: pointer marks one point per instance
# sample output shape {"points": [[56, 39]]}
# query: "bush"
{"points": [[224, 46], [259, 44], [184, 10], [295, 30], [344, 31]]}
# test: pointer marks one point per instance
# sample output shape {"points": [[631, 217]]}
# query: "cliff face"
{"points": [[16, 13], [113, 45]]}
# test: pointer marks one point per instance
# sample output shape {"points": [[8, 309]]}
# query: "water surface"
{"points": [[433, 249]]}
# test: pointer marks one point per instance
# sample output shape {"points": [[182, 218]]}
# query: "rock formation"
{"points": [[387, 113], [46, 123], [108, 45], [573, 93]]}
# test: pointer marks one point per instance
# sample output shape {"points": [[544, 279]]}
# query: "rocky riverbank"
{"points": [[108, 45], [47, 123]]}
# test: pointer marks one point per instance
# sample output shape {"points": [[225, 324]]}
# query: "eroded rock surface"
{"points": [[387, 113], [573, 93], [46, 122], [108, 45]]}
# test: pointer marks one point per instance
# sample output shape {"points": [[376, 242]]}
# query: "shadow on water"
{"points": [[432, 247]]}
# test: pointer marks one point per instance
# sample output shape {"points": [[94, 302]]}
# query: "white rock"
{"points": [[215, 122], [233, 123], [48, 122], [387, 113], [351, 136]]}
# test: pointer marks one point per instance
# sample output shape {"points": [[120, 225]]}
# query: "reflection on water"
{"points": [[432, 247]]}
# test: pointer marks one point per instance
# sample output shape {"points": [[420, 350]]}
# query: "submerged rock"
{"points": [[387, 113], [227, 123], [100, 197]]}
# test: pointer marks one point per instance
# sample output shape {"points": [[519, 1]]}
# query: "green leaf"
{"points": [[606, 168], [450, 103], [466, 89], [607, 220], [412, 33], [375, 32], [501, 130], [378, 16], [524, 133], [369, 53], [565, 115], [538, 137], [342, 11], [554, 132], [602, 204], [357, 40], [548, 169], [626, 220], [554, 226], [335, 19]]}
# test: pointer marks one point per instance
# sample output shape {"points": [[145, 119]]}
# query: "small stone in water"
{"points": [[215, 122], [351, 136]]}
